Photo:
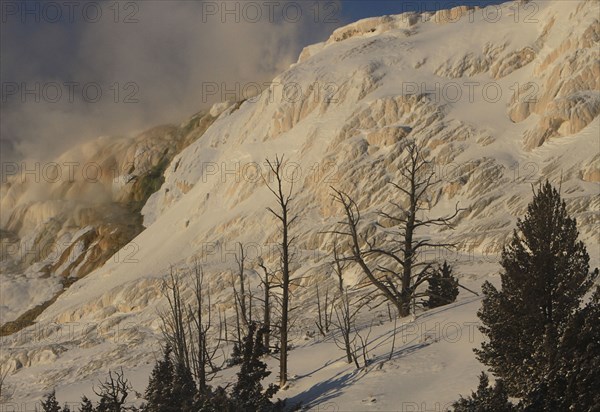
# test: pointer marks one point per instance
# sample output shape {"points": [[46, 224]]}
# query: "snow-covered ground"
{"points": [[431, 350]]}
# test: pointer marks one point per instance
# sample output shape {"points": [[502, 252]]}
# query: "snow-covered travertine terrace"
{"points": [[499, 102]]}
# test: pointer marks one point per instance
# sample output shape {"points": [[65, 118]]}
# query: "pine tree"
{"points": [[86, 405], [236, 356], [159, 392], [215, 401], [50, 404], [443, 287], [574, 382], [546, 274], [579, 359], [486, 399], [184, 390], [105, 406], [248, 390]]}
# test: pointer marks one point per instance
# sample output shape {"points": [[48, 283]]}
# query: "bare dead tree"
{"points": [[223, 323], [343, 314], [360, 346], [283, 214], [187, 328], [173, 326], [266, 284], [241, 295], [238, 323], [325, 311], [394, 338], [202, 355], [394, 268], [345, 308], [344, 322], [275, 305], [389, 312], [250, 301], [114, 390]]}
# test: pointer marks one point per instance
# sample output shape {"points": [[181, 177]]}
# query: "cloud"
{"points": [[112, 68]]}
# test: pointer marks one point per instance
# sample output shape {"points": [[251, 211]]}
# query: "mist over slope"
{"points": [[500, 103], [61, 220]]}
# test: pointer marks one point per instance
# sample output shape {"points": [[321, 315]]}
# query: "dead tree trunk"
{"points": [[114, 390], [286, 220], [186, 328], [173, 326], [238, 323], [343, 314], [345, 309], [266, 285], [324, 312], [394, 268], [241, 296]]}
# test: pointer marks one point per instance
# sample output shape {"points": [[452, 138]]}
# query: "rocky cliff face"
{"points": [[499, 102]]}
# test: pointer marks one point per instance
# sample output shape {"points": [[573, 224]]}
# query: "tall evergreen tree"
{"points": [[248, 390], [216, 401], [573, 383], [50, 404], [443, 287], [579, 358], [236, 355], [486, 399], [86, 405], [184, 390], [159, 392], [546, 274]]}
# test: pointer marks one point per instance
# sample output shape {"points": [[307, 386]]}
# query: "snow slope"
{"points": [[500, 104]]}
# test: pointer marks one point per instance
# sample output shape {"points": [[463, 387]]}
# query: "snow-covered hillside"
{"points": [[502, 98]]}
